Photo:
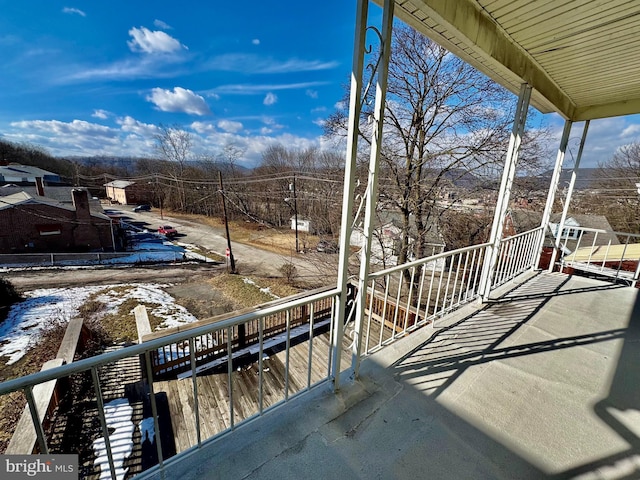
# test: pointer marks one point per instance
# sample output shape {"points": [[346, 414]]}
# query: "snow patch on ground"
{"points": [[266, 290], [147, 430], [118, 416], [26, 319]]}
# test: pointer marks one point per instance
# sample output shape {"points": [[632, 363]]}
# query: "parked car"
{"points": [[142, 208], [167, 230], [327, 246]]}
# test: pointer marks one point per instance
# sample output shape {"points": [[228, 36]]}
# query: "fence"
{"points": [[100, 258]]}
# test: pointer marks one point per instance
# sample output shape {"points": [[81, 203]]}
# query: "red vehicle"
{"points": [[167, 230]]}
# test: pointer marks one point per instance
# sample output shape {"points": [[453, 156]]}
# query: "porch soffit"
{"points": [[582, 57]]}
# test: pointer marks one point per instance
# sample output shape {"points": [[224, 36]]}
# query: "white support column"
{"points": [[372, 182], [553, 188], [355, 105], [504, 194], [567, 202]]}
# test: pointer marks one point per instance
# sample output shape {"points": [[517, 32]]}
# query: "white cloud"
{"points": [[270, 99], [131, 125], [340, 105], [147, 41], [65, 128], [202, 127], [259, 89], [230, 126], [266, 131], [162, 25], [250, 63], [320, 122], [631, 130], [256, 41], [319, 109], [311, 93], [75, 11], [102, 114], [180, 100]]}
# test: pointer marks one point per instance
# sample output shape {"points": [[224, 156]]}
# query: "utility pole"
{"points": [[226, 225], [292, 187], [159, 195]]}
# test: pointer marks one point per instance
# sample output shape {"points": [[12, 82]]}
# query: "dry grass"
{"points": [[243, 294], [280, 241]]}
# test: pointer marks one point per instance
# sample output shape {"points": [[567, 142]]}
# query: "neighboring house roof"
{"points": [[524, 220], [14, 170], [23, 198], [119, 184], [61, 194]]}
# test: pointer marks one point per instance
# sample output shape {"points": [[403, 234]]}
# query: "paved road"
{"points": [[249, 259]]}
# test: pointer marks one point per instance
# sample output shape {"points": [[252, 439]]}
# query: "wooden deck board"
{"points": [[213, 396]]}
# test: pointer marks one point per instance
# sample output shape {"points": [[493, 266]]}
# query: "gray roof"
{"points": [[14, 169], [61, 194], [23, 198]]}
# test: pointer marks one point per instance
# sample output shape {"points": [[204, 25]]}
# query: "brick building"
{"points": [[40, 224], [125, 192]]}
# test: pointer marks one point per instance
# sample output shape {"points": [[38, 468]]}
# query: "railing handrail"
{"points": [[424, 260], [133, 350], [517, 235]]}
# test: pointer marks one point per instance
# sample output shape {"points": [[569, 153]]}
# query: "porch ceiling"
{"points": [[582, 57]]}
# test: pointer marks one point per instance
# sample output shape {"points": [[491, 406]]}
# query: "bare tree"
{"points": [[174, 144], [443, 120], [617, 180]]}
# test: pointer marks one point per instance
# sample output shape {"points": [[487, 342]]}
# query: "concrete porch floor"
{"points": [[540, 383]]}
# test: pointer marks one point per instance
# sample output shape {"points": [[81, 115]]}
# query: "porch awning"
{"points": [[582, 57]]}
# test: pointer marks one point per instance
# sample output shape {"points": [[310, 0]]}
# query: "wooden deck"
{"points": [[213, 389]]}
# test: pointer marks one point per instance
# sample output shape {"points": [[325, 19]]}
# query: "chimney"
{"points": [[81, 204], [39, 186]]}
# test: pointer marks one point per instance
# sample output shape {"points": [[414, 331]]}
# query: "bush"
{"points": [[8, 293], [289, 272]]}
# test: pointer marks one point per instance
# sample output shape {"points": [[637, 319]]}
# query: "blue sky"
{"points": [[97, 78]]}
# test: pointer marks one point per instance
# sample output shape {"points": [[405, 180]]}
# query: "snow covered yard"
{"points": [[27, 319]]}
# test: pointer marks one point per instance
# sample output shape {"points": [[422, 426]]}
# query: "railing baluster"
{"points": [[446, 290], [287, 351], [384, 307], [464, 271], [311, 323], [370, 316], [194, 379], [409, 299], [230, 376], [103, 420], [154, 410], [397, 306], [37, 421], [455, 281], [420, 290], [428, 304], [470, 276], [435, 307]]}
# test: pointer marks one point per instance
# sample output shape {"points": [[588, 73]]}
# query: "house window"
{"points": [[46, 230]]}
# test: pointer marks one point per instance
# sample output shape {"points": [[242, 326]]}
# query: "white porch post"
{"points": [[355, 105], [572, 183], [504, 194], [553, 188], [372, 181]]}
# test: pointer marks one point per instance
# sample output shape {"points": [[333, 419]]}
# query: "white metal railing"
{"points": [[406, 297], [399, 300], [603, 252], [271, 388], [517, 254]]}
